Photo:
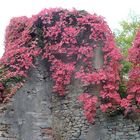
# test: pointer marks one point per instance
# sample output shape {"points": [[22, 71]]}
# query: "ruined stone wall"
{"points": [[114, 128], [34, 113], [28, 115], [69, 122], [68, 119]]}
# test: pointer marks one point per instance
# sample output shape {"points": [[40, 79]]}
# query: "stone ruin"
{"points": [[35, 113]]}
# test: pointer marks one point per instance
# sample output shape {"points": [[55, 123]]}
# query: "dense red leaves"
{"points": [[62, 74], [67, 40], [89, 105], [105, 107], [133, 87], [134, 51], [18, 57]]}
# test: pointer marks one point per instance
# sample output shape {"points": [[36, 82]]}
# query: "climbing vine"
{"points": [[133, 86], [67, 40]]}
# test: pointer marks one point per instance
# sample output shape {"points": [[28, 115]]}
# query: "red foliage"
{"points": [[66, 39], [133, 87], [89, 106], [1, 92], [18, 56]]}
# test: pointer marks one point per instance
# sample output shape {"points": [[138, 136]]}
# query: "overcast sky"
{"points": [[113, 10]]}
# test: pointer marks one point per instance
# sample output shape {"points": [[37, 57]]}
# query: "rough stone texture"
{"points": [[35, 113], [28, 115], [68, 120], [115, 128]]}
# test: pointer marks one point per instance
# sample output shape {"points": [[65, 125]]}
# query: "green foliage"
{"points": [[122, 89], [7, 82], [12, 81], [125, 36]]}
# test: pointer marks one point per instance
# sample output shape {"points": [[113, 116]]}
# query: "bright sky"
{"points": [[113, 10]]}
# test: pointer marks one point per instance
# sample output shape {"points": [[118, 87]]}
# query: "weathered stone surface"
{"points": [[116, 128], [35, 113], [96, 133], [29, 112]]}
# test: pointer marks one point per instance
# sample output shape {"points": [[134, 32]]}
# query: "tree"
{"points": [[124, 38]]}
